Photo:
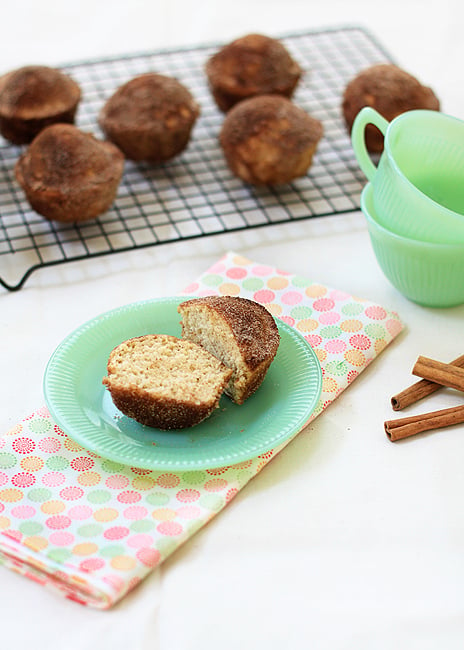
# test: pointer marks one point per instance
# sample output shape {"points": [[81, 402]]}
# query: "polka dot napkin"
{"points": [[92, 529]]}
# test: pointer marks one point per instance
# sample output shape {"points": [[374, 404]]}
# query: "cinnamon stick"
{"points": [[444, 374], [419, 389], [410, 426]]}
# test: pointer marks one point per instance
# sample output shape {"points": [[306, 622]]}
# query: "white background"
{"points": [[345, 541]]}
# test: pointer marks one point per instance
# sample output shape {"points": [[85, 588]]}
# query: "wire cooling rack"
{"points": [[195, 194]]}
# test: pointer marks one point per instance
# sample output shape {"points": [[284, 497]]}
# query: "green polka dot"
{"points": [[212, 502], [110, 466], [212, 280], [142, 526], [375, 331], [39, 425], [194, 478], [301, 312], [30, 527], [7, 460], [194, 526], [336, 368], [166, 546], [330, 332], [39, 494], [57, 462], [352, 309], [252, 284], [157, 498], [243, 476], [112, 550], [99, 496], [90, 530], [299, 281], [59, 554]]}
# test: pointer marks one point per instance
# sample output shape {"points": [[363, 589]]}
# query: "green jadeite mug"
{"points": [[418, 184]]}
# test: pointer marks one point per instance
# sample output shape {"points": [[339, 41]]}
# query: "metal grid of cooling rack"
{"points": [[195, 194]]}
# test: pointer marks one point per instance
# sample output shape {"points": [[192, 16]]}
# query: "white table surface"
{"points": [[345, 540]]}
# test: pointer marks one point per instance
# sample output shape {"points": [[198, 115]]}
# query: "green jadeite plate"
{"points": [[83, 407]]}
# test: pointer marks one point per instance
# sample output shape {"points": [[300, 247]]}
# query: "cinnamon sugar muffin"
{"points": [[391, 91], [268, 140], [150, 118], [240, 332], [33, 97], [165, 382], [68, 175], [251, 65]]}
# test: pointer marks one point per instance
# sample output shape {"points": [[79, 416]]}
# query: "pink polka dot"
{"points": [[23, 512], [188, 495], [53, 479], [393, 326], [23, 445], [291, 298], [80, 512], [360, 342], [50, 445], [192, 288], [2, 507], [149, 556], [116, 532], [114, 581], [339, 295], [323, 304], [91, 564], [117, 481], [236, 273], [129, 497], [264, 296], [13, 534], [71, 493], [82, 463], [314, 340], [375, 312], [335, 346], [58, 521], [288, 319], [329, 318], [61, 538], [169, 528], [188, 512], [261, 269], [140, 541], [218, 267], [135, 512], [23, 480]]}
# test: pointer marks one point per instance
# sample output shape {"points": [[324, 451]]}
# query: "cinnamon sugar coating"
{"points": [[391, 91], [33, 97], [150, 117], [68, 175], [268, 140], [251, 65]]}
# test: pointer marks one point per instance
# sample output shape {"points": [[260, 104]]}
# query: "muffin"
{"points": [[391, 91], [252, 65], [165, 382], [268, 140], [150, 118], [34, 97], [239, 332], [68, 175]]}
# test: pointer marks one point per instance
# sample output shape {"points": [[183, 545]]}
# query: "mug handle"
{"points": [[366, 115]]}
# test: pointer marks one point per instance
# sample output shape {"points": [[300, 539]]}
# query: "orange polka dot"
{"points": [[123, 562], [143, 482], [11, 495], [351, 325], [4, 523], [275, 309], [229, 289], [307, 325], [86, 548], [105, 514], [355, 357], [52, 507], [380, 345], [89, 478], [36, 543], [239, 260], [164, 514], [277, 283], [31, 463], [315, 291], [329, 385], [71, 445], [15, 430], [321, 354]]}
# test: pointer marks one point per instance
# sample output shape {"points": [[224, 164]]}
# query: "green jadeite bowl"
{"points": [[430, 274]]}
